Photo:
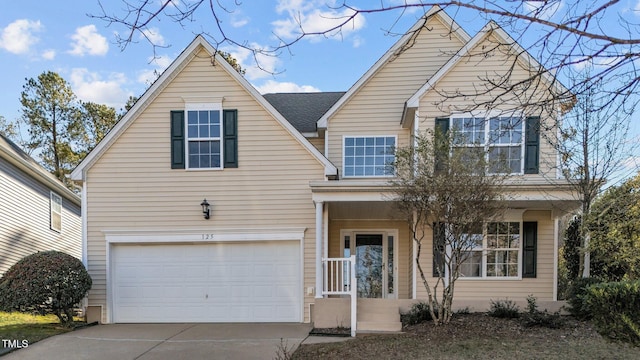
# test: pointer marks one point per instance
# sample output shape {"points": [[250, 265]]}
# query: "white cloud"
{"points": [[160, 63], [357, 41], [239, 22], [87, 40], [238, 18], [272, 86], [89, 86], [257, 66], [597, 62], [315, 16], [148, 76], [636, 8], [49, 54], [153, 35], [544, 10], [18, 37]]}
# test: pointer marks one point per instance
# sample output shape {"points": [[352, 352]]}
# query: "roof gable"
{"points": [[164, 80], [434, 12], [491, 28]]}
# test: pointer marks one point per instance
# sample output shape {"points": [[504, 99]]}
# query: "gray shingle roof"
{"points": [[303, 110]]}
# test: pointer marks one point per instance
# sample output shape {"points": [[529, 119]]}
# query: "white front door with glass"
{"points": [[376, 263]]}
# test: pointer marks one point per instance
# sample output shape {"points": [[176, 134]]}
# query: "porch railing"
{"points": [[339, 276]]}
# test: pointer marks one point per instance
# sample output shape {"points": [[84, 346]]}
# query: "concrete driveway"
{"points": [[167, 341]]}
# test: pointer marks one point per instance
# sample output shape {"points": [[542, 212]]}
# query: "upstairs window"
{"points": [[203, 139], [204, 136], [55, 212], [501, 138], [369, 156]]}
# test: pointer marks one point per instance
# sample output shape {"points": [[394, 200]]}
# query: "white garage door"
{"points": [[223, 282]]}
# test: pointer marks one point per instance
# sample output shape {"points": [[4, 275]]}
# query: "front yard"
{"points": [[32, 328], [477, 336]]}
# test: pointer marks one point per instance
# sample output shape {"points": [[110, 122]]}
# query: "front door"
{"points": [[375, 263]]}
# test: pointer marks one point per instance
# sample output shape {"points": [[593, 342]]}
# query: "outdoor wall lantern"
{"points": [[205, 208]]}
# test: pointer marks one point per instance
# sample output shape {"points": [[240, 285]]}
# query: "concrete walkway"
{"points": [[168, 341]]}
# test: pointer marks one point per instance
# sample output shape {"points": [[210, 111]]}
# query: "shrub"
{"points": [[577, 292], [534, 317], [463, 311], [504, 309], [616, 309], [419, 313], [45, 282]]}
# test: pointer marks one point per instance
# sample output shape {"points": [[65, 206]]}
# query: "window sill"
{"points": [[502, 278], [204, 169]]}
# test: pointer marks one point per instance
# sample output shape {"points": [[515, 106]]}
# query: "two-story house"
{"points": [[209, 202], [37, 211]]}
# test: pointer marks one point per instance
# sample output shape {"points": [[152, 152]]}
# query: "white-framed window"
{"points": [[500, 137], [368, 156], [204, 136], [495, 251], [55, 212]]}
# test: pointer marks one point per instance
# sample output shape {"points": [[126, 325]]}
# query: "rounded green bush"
{"points": [[47, 282]]}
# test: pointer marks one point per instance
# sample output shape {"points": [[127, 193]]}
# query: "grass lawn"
{"points": [[477, 336], [21, 326]]}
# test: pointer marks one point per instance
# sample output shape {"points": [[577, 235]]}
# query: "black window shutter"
{"points": [[442, 125], [230, 139], [177, 139], [438, 249], [532, 145], [530, 249], [442, 146]]}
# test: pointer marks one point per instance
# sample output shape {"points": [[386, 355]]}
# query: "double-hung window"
{"points": [[204, 136], [494, 251], [505, 144], [500, 138], [204, 129], [55, 212], [369, 156]]}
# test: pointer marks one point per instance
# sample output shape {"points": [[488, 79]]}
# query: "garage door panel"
{"points": [[224, 282]]}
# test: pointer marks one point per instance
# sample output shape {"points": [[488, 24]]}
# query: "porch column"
{"points": [[319, 241]]}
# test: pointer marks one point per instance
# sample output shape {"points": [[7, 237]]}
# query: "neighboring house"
{"points": [[294, 179], [37, 212]]}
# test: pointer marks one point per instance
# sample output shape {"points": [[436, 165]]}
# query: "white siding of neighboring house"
{"points": [[24, 218], [132, 186]]}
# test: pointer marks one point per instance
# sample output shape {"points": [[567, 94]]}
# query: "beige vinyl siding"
{"points": [[376, 109], [133, 187], [467, 78], [482, 289], [24, 219], [318, 143], [404, 243]]}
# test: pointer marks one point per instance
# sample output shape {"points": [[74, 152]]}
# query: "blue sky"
{"points": [[37, 36]]}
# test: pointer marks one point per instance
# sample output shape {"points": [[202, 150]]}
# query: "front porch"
{"points": [[366, 265], [365, 262]]}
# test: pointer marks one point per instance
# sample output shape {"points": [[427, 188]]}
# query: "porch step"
{"points": [[379, 326], [378, 315]]}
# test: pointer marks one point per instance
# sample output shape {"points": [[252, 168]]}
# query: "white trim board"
{"points": [[203, 236]]}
